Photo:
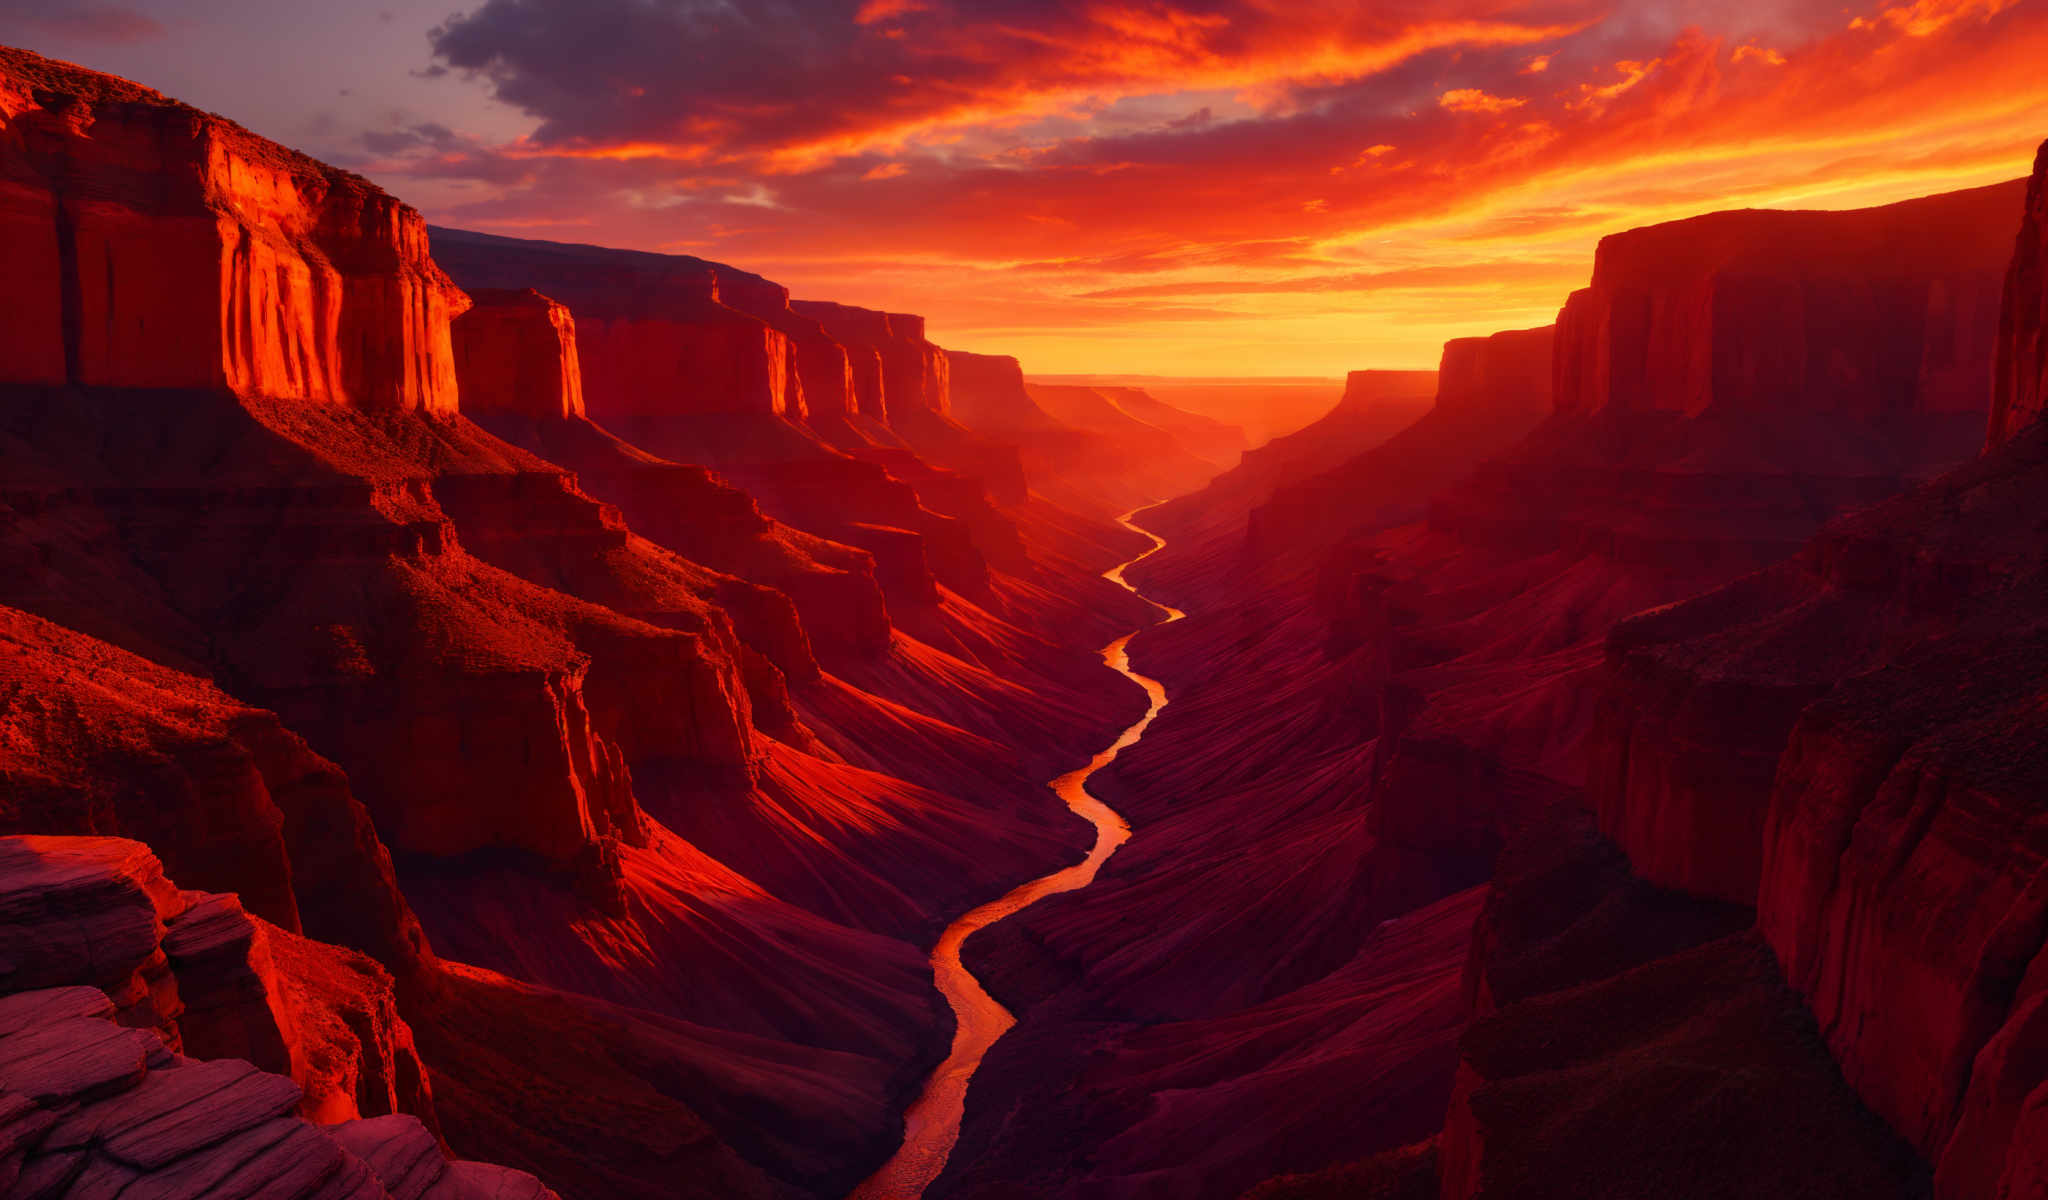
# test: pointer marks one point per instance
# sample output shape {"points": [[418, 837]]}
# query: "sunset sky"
{"points": [[1219, 187]]}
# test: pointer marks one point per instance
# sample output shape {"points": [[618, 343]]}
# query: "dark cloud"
{"points": [[718, 79]]}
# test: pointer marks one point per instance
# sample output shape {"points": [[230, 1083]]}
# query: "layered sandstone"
{"points": [[162, 247]]}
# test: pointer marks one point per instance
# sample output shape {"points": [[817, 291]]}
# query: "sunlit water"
{"points": [[932, 1124]]}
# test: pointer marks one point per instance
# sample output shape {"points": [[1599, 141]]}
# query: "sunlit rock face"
{"points": [[161, 247], [516, 351], [2021, 381], [913, 371], [161, 1039], [1874, 313], [653, 333]]}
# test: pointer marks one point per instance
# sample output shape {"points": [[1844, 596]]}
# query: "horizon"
{"points": [[1103, 190]]}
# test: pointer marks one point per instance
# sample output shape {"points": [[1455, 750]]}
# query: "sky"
{"points": [[1180, 187]]}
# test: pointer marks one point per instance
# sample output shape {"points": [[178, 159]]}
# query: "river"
{"points": [[931, 1125]]}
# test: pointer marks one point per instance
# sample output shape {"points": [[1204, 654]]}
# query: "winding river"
{"points": [[931, 1125]]}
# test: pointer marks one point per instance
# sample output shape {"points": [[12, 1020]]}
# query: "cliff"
{"points": [[652, 332], [1874, 313], [516, 352], [2020, 381], [150, 1041], [1491, 392], [914, 372], [162, 247], [101, 741], [988, 394]]}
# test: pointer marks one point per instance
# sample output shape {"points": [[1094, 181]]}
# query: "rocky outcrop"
{"points": [[93, 1108], [1874, 314], [210, 980], [2020, 379], [162, 247]]}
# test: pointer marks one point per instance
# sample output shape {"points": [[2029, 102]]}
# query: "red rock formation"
{"points": [[96, 1109], [1491, 392], [1875, 313], [989, 395], [652, 332], [2020, 379], [248, 267], [197, 969], [516, 352], [914, 372]]}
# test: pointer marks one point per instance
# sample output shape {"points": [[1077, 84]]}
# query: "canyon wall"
{"points": [[988, 394], [914, 372], [1848, 742], [1876, 313], [1491, 392], [248, 267], [516, 351], [654, 335], [2020, 385]]}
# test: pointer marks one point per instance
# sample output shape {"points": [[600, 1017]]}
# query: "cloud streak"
{"points": [[1352, 186]]}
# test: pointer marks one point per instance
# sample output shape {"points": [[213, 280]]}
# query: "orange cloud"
{"points": [[1053, 198], [1473, 100]]}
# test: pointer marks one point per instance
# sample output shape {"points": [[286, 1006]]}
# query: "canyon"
{"points": [[493, 717]]}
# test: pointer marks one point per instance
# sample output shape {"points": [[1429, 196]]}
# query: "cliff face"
{"points": [[1849, 742], [1490, 393], [914, 372], [516, 352], [1875, 313], [1870, 705], [988, 394], [162, 247], [2020, 382], [653, 333]]}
